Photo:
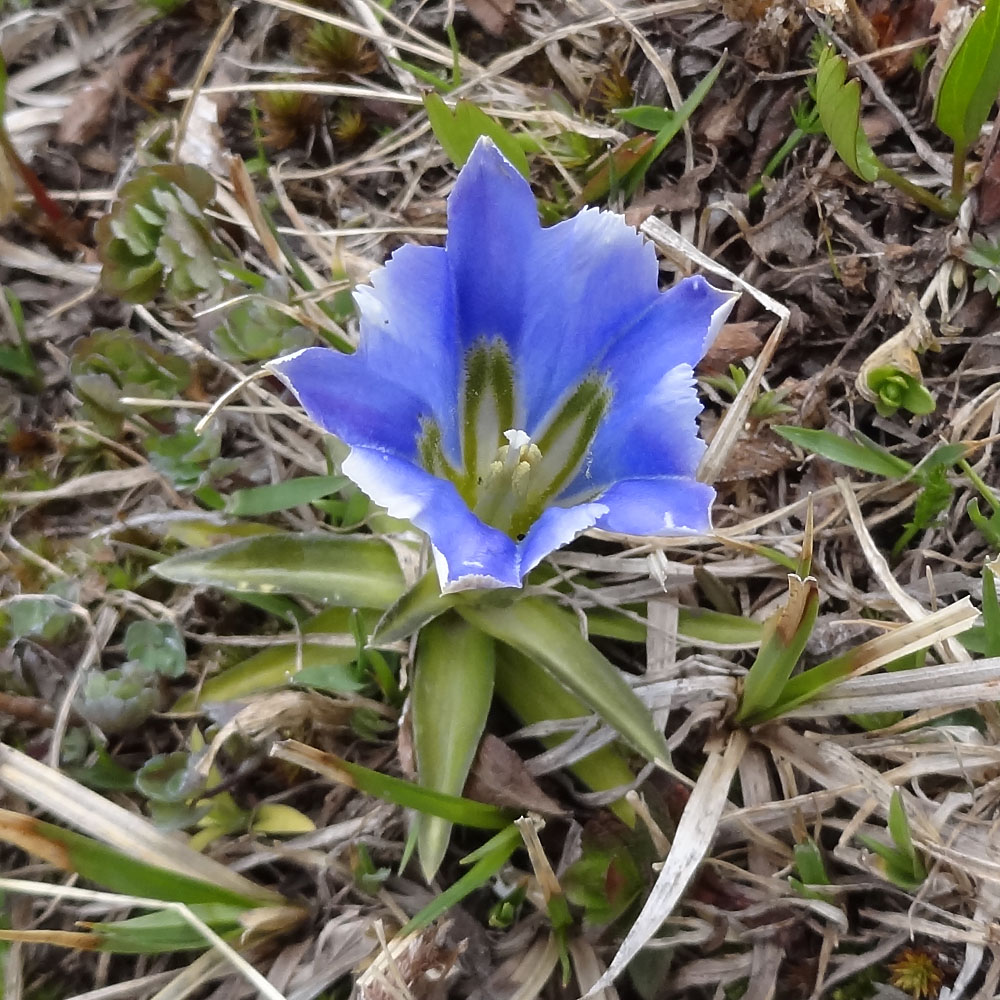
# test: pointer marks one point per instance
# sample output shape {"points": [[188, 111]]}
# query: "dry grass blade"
{"points": [[264, 988], [934, 690], [115, 826], [94, 482], [714, 459], [912, 608], [694, 836]]}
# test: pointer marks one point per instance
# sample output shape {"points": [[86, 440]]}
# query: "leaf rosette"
{"points": [[157, 237]]}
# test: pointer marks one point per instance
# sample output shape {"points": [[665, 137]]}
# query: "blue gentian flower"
{"points": [[520, 385]]}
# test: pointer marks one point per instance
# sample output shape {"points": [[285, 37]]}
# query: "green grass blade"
{"points": [[166, 930], [279, 665], [671, 126], [868, 457], [465, 812], [490, 858], [534, 695], [258, 500]]}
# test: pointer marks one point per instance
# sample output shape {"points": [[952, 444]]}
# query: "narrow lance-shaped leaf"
{"points": [[422, 603], [866, 456], [257, 500], [550, 636], [453, 808], [971, 79], [284, 664], [452, 691], [484, 864], [356, 571], [672, 126]]}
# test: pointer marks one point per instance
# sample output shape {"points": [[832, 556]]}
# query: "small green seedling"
{"points": [[811, 872], [898, 390], [900, 863], [766, 406], [966, 95], [839, 104], [984, 257]]}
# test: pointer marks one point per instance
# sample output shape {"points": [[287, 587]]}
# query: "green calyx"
{"points": [[508, 475]]}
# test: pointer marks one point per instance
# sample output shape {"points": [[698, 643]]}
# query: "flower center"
{"points": [[506, 489], [506, 475]]}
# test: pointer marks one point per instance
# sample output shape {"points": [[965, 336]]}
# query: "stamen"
{"points": [[509, 480]]}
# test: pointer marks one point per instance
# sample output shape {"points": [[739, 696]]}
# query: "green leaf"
{"points": [[985, 639], [785, 637], [647, 116], [158, 646], [454, 808], [452, 691], [550, 636], [422, 603], [534, 695], [839, 106], [899, 827], [971, 79], [989, 527], [671, 126], [258, 500], [166, 930], [73, 852], [285, 664], [354, 571], [170, 777], [486, 862], [458, 131], [812, 871], [867, 457], [279, 819], [696, 624]]}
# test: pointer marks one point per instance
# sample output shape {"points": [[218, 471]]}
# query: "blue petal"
{"points": [[662, 506], [655, 434], [556, 527], [408, 332], [468, 554], [677, 330], [345, 397], [492, 226], [590, 279]]}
